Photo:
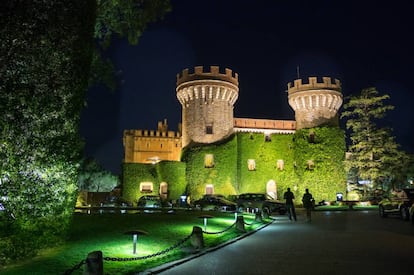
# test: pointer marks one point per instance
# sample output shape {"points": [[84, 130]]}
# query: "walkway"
{"points": [[349, 242]]}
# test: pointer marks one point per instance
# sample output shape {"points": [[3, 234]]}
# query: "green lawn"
{"points": [[105, 232]]}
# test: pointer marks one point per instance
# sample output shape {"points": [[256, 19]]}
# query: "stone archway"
{"points": [[271, 189]]}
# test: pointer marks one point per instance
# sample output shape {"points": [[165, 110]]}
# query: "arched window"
{"points": [[163, 190]]}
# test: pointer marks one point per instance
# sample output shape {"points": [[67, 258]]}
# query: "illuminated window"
{"points": [[163, 190], [280, 164], [310, 165], [209, 189], [209, 130], [251, 164], [145, 187], [271, 189], [209, 161]]}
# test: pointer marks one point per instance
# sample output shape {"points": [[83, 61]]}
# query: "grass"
{"points": [[105, 232]]}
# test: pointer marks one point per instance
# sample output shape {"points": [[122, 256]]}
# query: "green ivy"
{"points": [[230, 174], [222, 175], [173, 173], [327, 152]]}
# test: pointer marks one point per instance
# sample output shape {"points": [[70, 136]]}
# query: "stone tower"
{"points": [[207, 99], [315, 103]]}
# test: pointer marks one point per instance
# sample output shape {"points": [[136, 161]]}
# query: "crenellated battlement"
{"points": [[151, 133], [212, 74], [207, 96], [315, 103], [162, 131], [313, 84]]}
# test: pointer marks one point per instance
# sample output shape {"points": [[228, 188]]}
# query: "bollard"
{"points": [[197, 240], [240, 224], [134, 234], [258, 217], [205, 218], [94, 264]]}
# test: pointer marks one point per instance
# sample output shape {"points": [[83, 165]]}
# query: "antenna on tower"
{"points": [[297, 71]]}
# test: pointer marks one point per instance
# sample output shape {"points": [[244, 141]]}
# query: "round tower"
{"points": [[315, 103], [207, 99]]}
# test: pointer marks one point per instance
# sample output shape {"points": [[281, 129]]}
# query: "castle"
{"points": [[207, 98]]}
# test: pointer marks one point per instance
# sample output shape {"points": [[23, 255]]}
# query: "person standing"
{"points": [[307, 200], [290, 207]]}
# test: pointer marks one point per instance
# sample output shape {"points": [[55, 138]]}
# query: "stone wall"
{"points": [[207, 99], [315, 103], [149, 146]]}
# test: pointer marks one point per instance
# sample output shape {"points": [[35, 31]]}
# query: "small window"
{"points": [[251, 164], [280, 164], [145, 187], [310, 165], [164, 190], [209, 161], [209, 130], [311, 137], [209, 189]]}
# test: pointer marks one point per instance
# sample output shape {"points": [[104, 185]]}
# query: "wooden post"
{"points": [[258, 217], [197, 240], [240, 223], [94, 264]]}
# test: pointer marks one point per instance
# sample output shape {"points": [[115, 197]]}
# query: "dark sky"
{"points": [[363, 44]]}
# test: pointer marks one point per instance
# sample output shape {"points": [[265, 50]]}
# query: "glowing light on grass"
{"points": [[205, 218], [135, 234]]}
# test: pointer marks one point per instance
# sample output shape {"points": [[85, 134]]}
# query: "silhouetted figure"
{"points": [[290, 207], [307, 200]]}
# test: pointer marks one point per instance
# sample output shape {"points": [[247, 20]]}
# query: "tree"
{"points": [[121, 18], [45, 49], [46, 52], [375, 156], [93, 178]]}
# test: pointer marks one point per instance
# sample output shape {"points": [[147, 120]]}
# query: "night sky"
{"points": [[363, 44]]}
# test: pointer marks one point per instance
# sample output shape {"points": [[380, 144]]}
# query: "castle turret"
{"points": [[315, 103], [207, 99]]}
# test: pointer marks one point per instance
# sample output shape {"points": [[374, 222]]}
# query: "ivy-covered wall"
{"points": [[222, 175], [312, 158], [319, 154], [173, 173], [265, 154]]}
